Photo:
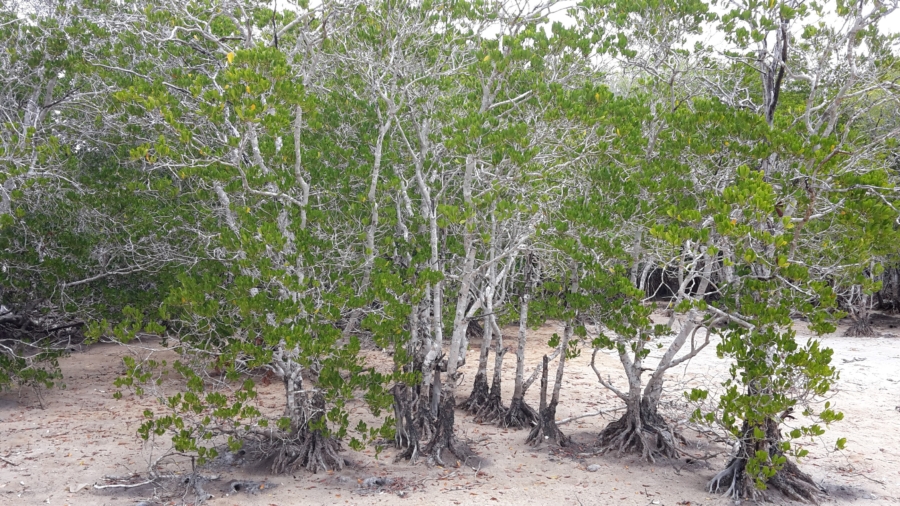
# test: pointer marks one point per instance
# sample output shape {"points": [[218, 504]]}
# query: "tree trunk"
{"points": [[708, 262], [789, 480], [480, 399], [444, 398], [520, 414], [303, 445], [895, 288], [370, 252], [412, 410], [493, 409], [406, 410], [642, 429], [445, 448], [546, 428], [479, 396], [858, 307], [456, 354]]}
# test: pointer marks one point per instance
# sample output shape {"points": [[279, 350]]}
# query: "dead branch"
{"points": [[587, 415]]}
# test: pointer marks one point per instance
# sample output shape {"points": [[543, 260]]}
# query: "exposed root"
{"points": [[407, 437], [479, 396], [492, 410], [196, 482], [789, 480], [546, 429], [794, 483], [735, 483], [860, 328], [312, 452], [445, 448], [519, 415], [644, 432]]}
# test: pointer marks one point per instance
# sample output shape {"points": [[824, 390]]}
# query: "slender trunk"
{"points": [[444, 397], [546, 428], [520, 414], [518, 390], [480, 395], [412, 417], [895, 288], [298, 167], [636, 257], [456, 355], [427, 338], [486, 342], [557, 386], [493, 409], [370, 252], [437, 324], [707, 273], [435, 393]]}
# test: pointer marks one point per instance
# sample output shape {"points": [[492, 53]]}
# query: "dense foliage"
{"points": [[272, 185]]}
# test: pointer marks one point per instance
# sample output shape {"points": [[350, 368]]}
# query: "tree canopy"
{"points": [[272, 185]]}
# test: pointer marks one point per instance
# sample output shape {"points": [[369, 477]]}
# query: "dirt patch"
{"points": [[56, 455]]}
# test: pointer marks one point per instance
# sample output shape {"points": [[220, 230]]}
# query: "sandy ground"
{"points": [[56, 454]]}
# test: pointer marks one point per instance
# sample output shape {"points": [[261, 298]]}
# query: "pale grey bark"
{"points": [[519, 388]]}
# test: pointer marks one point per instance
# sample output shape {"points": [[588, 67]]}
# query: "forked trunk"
{"points": [[493, 409], [546, 428], [642, 429]]}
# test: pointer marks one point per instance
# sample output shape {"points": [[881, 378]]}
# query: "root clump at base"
{"points": [[492, 410], [519, 415], [640, 431], [546, 430], [311, 451], [407, 436], [445, 448], [860, 328], [479, 397], [735, 483]]}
